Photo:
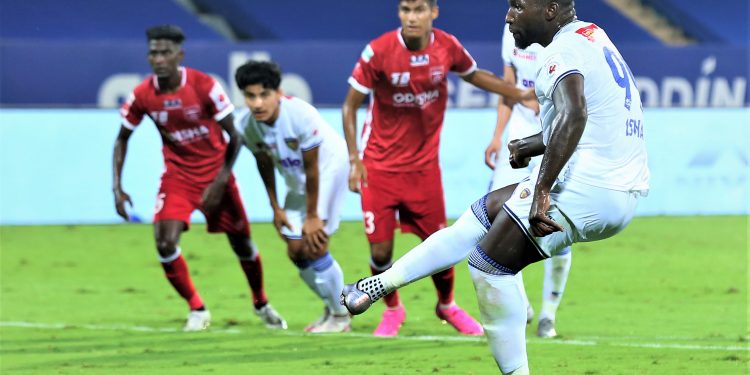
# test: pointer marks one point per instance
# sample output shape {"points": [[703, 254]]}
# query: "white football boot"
{"points": [[270, 317], [197, 321]]}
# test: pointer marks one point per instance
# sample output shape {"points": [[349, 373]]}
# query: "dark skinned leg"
{"points": [[251, 265], [167, 235], [382, 254]]}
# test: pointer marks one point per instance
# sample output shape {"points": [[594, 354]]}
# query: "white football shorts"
{"points": [[588, 213], [332, 192]]}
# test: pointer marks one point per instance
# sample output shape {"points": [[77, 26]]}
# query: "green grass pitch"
{"points": [[669, 295]]}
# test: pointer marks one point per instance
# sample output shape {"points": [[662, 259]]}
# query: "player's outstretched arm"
{"points": [[313, 236], [215, 191], [567, 129], [504, 109], [489, 82], [357, 171], [118, 160]]}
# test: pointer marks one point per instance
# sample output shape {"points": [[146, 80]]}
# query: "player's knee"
{"points": [[166, 247], [296, 253], [381, 253]]}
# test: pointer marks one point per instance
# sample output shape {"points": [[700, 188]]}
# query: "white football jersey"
{"points": [[612, 151], [299, 127], [526, 64]]}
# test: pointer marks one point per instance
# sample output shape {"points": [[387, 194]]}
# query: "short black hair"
{"points": [[431, 3], [265, 73], [168, 32]]}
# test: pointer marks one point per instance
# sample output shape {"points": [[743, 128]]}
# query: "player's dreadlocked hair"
{"points": [[265, 73], [168, 32]]}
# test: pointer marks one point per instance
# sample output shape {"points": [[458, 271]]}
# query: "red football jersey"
{"points": [[409, 97], [187, 119]]}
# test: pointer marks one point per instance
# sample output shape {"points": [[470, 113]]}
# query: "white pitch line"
{"points": [[533, 341]]}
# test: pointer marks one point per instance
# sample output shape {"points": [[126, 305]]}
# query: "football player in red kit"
{"points": [[190, 110]]}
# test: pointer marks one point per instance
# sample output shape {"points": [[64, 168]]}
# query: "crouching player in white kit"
{"points": [[521, 121], [312, 157], [593, 171]]}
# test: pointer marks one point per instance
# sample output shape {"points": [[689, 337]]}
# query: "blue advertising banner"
{"points": [[101, 74], [56, 165]]}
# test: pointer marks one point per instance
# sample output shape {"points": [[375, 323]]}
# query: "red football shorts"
{"points": [[178, 199], [417, 198]]}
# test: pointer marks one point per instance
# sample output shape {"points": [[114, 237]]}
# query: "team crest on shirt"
{"points": [[524, 193], [192, 112], [419, 60], [437, 74], [292, 143]]}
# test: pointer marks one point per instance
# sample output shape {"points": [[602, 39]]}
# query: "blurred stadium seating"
{"points": [[706, 21], [361, 21], [85, 20]]}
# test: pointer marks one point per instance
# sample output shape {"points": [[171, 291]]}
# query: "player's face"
{"points": [[526, 21], [416, 18], [263, 102], [165, 57]]}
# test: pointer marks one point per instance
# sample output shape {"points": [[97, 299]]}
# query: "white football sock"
{"points": [[308, 276], [329, 280], [556, 270], [503, 316], [440, 251]]}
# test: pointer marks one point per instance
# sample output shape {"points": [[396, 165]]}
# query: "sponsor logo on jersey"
{"points": [[172, 103], [292, 143], [419, 60], [408, 99], [524, 193], [290, 163], [367, 54], [189, 135], [524, 55], [437, 74], [588, 32]]}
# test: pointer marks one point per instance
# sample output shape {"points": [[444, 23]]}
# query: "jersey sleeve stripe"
{"points": [[470, 70], [557, 81], [224, 113], [308, 148], [358, 86], [127, 125]]}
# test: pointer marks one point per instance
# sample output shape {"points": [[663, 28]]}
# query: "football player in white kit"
{"points": [[292, 135], [586, 188], [521, 121]]}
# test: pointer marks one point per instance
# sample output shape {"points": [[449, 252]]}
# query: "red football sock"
{"points": [[178, 275], [254, 273], [443, 281], [391, 299]]}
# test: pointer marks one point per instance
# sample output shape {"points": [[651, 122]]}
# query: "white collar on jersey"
{"points": [[183, 78], [401, 37]]}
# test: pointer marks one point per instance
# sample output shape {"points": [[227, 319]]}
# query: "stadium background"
{"points": [[66, 65]]}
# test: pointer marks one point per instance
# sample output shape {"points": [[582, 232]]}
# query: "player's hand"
{"points": [[532, 103], [357, 176], [120, 198], [517, 157], [490, 153], [280, 221], [541, 223], [212, 196], [528, 95], [314, 237]]}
